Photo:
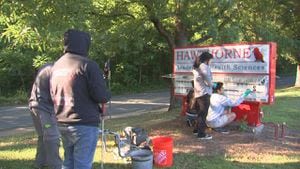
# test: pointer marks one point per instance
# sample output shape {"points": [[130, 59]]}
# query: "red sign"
{"points": [[238, 66]]}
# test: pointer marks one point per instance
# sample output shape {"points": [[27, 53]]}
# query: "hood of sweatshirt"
{"points": [[77, 42]]}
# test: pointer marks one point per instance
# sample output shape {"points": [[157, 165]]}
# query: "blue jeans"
{"points": [[79, 143]]}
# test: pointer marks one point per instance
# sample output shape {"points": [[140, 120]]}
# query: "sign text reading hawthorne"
{"points": [[226, 58]]}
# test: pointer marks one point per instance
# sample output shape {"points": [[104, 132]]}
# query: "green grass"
{"points": [[17, 152], [286, 108]]}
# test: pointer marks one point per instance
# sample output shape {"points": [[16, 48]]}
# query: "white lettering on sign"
{"points": [[234, 85], [227, 59], [238, 66]]}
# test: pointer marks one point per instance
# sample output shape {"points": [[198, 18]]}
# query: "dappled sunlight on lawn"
{"points": [[262, 153], [288, 92], [239, 149]]}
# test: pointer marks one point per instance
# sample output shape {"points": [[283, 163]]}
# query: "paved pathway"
{"points": [[287, 81], [17, 119]]}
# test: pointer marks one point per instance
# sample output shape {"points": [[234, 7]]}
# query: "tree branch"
{"points": [[162, 31], [201, 40], [113, 15], [158, 25]]}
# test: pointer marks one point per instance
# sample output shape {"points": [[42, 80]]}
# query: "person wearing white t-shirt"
{"points": [[218, 112]]}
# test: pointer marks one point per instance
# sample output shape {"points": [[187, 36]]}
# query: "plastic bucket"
{"points": [[142, 159], [163, 151]]}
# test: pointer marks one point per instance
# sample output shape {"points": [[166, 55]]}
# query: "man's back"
{"points": [[40, 95], [77, 84]]}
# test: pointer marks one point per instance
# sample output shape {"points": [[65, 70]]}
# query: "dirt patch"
{"points": [[236, 143]]}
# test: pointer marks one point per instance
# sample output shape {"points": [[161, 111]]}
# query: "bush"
{"points": [[19, 97]]}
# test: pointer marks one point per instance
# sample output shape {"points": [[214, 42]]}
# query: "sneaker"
{"points": [[195, 132], [206, 137], [221, 130]]}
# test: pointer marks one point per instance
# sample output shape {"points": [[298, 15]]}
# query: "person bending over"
{"points": [[44, 121]]}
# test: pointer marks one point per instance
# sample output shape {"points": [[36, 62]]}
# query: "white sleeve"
{"points": [[225, 101]]}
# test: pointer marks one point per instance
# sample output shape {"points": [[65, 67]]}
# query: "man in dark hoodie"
{"points": [[77, 88]]}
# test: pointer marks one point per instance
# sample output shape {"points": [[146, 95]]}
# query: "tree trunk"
{"points": [[297, 82], [172, 97], [179, 39], [140, 75]]}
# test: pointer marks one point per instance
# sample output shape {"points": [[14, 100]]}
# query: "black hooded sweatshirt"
{"points": [[77, 84]]}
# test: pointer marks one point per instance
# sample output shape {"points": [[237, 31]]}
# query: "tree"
{"points": [[291, 21], [175, 21], [191, 22], [31, 35], [139, 35]]}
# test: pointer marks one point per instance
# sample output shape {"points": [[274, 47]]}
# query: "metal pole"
{"points": [[102, 136], [107, 77]]}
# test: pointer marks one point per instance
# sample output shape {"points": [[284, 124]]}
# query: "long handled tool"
{"points": [[103, 146], [107, 77]]}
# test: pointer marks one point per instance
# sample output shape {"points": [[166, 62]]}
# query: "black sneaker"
{"points": [[206, 137], [221, 130], [195, 132]]}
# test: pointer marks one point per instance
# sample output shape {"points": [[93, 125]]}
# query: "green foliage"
{"points": [[19, 97], [40, 60], [243, 126], [137, 36], [15, 70], [284, 67]]}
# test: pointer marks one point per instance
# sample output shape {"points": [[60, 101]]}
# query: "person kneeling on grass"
{"points": [[218, 112]]}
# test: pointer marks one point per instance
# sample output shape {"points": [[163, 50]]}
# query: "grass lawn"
{"points": [[17, 152], [286, 108]]}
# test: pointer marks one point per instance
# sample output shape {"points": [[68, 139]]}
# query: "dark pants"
{"points": [[202, 105]]}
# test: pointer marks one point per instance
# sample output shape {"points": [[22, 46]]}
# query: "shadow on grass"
{"points": [[18, 147], [16, 164], [180, 161], [193, 161], [29, 164], [18, 143]]}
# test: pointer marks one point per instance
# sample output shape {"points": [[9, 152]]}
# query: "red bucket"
{"points": [[163, 151]]}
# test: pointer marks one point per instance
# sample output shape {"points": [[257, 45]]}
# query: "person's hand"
{"points": [[246, 93]]}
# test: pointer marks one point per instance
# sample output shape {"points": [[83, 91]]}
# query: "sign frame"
{"points": [[270, 61]]}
